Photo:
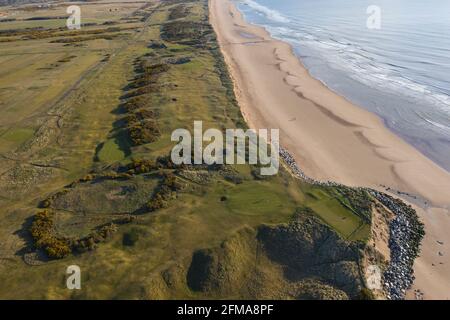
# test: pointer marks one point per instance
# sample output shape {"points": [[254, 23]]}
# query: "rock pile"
{"points": [[418, 295], [405, 234], [289, 159]]}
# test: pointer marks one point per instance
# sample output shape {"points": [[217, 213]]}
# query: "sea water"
{"points": [[398, 68]]}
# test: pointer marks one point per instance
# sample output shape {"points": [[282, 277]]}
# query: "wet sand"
{"points": [[332, 139]]}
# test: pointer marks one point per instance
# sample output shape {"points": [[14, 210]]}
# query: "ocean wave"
{"points": [[269, 13], [363, 67], [435, 124], [372, 71]]}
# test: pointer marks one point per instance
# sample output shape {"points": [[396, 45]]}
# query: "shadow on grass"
{"points": [[29, 253]]}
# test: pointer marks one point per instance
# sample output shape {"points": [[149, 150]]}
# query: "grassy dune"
{"points": [[218, 233]]}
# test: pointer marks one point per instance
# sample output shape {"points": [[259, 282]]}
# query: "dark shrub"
{"points": [[130, 238]]}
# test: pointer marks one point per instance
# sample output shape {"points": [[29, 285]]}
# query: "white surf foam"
{"points": [[269, 13]]}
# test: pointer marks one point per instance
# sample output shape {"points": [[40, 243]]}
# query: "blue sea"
{"points": [[400, 71]]}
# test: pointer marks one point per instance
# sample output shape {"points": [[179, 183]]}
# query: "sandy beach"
{"points": [[332, 139]]}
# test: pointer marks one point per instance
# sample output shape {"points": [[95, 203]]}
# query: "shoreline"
{"points": [[423, 139], [333, 139]]}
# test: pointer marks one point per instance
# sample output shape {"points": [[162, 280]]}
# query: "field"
{"points": [[84, 133]]}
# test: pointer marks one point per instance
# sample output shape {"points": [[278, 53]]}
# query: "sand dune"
{"points": [[331, 138]]}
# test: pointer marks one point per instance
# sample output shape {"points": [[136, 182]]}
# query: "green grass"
{"points": [[333, 213], [12, 138], [53, 23], [259, 198], [17, 135], [111, 152]]}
